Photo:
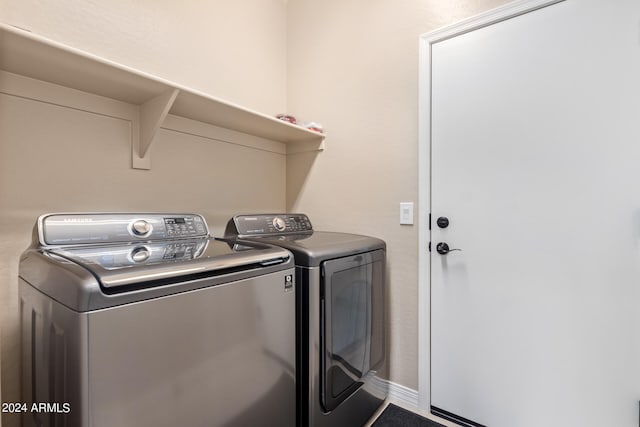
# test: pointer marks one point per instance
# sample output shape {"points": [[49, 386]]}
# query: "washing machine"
{"points": [[340, 316], [145, 320]]}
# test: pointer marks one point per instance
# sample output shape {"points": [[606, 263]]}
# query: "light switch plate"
{"points": [[406, 213]]}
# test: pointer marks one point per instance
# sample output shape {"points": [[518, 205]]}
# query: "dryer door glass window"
{"points": [[352, 307]]}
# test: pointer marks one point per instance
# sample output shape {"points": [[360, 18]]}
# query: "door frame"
{"points": [[493, 16]]}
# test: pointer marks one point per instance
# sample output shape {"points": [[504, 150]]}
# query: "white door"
{"points": [[535, 139]]}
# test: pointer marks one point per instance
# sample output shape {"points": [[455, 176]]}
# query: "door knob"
{"points": [[443, 222], [442, 248]]}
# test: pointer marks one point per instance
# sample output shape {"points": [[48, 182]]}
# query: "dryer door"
{"points": [[352, 319]]}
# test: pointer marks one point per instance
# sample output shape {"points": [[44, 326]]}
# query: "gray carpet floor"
{"points": [[394, 416]]}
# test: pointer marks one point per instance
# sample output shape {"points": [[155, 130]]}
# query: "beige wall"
{"points": [[353, 66]]}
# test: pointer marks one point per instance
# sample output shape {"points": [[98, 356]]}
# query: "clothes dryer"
{"points": [[340, 316]]}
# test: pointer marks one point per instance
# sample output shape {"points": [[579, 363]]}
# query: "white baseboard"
{"points": [[404, 396], [397, 393]]}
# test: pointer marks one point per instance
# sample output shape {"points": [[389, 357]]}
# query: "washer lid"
{"points": [[149, 264]]}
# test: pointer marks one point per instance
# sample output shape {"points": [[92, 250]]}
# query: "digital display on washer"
{"points": [[184, 226]]}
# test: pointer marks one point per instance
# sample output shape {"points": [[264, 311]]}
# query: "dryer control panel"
{"points": [[268, 224]]}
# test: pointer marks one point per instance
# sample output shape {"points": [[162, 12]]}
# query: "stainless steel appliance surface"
{"points": [[145, 320], [340, 293]]}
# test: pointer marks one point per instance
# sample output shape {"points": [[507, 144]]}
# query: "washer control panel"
{"points": [[268, 224], [81, 229]]}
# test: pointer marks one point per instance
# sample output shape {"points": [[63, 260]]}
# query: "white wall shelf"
{"points": [[36, 57]]}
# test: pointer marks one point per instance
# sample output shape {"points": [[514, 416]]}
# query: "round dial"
{"points": [[140, 254], [141, 227], [279, 224]]}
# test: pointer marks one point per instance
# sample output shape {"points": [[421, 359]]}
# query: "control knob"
{"points": [[279, 224], [140, 254], [141, 227]]}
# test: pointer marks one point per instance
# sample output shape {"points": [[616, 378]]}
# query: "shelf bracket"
{"points": [[152, 115]]}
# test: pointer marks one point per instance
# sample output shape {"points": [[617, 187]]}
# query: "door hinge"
{"points": [[429, 246], [429, 221]]}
